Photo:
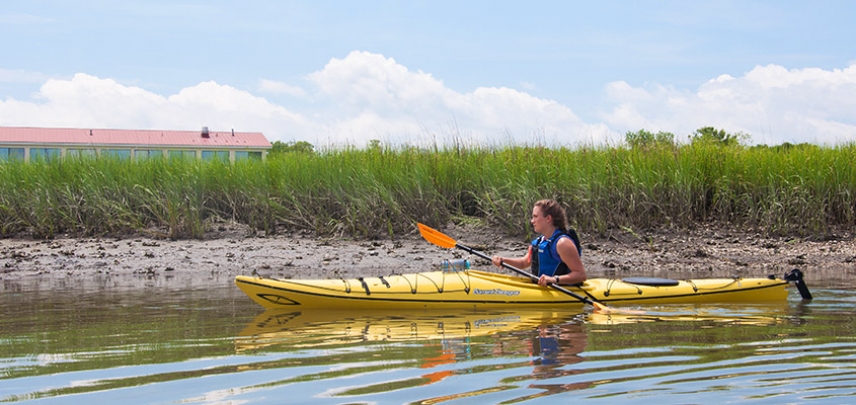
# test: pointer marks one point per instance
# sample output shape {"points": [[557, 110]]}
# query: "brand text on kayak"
{"points": [[495, 291]]}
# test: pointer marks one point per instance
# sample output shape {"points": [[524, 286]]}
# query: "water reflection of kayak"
{"points": [[317, 328], [473, 289], [758, 314], [430, 340], [442, 342]]}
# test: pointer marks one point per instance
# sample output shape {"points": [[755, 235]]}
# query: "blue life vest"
{"points": [[545, 258]]}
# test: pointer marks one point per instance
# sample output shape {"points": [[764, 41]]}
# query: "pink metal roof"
{"points": [[133, 137]]}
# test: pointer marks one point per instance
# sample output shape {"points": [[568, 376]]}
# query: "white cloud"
{"points": [[771, 103], [528, 85], [367, 96], [20, 76], [89, 102], [353, 100], [275, 87], [378, 96]]}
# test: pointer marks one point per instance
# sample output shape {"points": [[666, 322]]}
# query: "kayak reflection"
{"points": [[758, 314], [287, 330], [317, 328], [544, 350], [547, 340]]}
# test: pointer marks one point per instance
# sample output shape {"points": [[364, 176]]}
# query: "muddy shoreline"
{"points": [[142, 262]]}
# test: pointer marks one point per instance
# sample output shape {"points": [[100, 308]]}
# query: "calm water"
{"points": [[103, 345]]}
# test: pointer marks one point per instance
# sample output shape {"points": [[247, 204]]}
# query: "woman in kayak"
{"points": [[554, 256]]}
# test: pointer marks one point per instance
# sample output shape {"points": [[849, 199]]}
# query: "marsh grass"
{"points": [[377, 192]]}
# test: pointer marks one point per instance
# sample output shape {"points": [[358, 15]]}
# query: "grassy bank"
{"points": [[378, 192]]}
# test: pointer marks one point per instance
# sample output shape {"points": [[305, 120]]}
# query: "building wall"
{"points": [[29, 152]]}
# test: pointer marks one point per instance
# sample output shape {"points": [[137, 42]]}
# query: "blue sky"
{"points": [[426, 72]]}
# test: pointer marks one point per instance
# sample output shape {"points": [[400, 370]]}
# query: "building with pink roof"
{"points": [[28, 144]]}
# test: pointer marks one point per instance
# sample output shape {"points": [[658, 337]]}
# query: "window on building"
{"points": [[80, 153], [44, 154], [116, 153], [243, 155], [148, 153], [182, 154], [7, 154], [222, 155]]}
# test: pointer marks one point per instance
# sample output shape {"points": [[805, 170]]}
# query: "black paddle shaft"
{"points": [[526, 274]]}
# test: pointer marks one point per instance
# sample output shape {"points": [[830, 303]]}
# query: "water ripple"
{"points": [[788, 353]]}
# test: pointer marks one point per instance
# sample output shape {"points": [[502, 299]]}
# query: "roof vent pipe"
{"points": [[205, 133]]}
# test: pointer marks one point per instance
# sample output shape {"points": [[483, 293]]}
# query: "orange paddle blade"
{"points": [[436, 237]]}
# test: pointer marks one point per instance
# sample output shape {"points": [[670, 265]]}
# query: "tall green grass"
{"points": [[377, 192]]}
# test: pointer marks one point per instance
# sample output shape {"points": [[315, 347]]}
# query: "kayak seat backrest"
{"points": [[652, 281]]}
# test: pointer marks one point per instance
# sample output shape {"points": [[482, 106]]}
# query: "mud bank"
{"points": [[140, 262]]}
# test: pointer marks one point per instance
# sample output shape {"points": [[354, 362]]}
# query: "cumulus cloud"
{"points": [[351, 101], [771, 103], [378, 96], [86, 101], [366, 96]]}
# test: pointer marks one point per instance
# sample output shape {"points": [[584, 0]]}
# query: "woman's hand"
{"points": [[546, 280], [497, 261]]}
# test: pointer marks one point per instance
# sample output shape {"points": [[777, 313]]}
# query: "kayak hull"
{"points": [[474, 289]]}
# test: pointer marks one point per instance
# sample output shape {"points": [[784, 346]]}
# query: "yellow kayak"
{"points": [[474, 289]]}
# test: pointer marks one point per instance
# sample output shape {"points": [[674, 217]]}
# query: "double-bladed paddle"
{"points": [[438, 238]]}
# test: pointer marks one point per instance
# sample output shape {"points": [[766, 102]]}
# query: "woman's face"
{"points": [[540, 222]]}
